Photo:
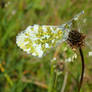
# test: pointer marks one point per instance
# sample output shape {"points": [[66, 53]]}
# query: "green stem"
{"points": [[55, 83], [50, 89]]}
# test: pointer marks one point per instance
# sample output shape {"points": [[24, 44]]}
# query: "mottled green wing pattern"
{"points": [[38, 39]]}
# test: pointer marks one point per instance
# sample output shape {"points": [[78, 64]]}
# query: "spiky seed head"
{"points": [[76, 39]]}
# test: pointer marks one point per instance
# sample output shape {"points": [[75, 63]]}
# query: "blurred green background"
{"points": [[20, 72]]}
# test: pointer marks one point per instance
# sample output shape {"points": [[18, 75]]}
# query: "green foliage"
{"points": [[20, 72]]}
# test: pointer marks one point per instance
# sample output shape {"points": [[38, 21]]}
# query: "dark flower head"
{"points": [[76, 39]]}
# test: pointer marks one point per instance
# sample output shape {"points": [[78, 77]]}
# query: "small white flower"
{"points": [[68, 60], [7, 4], [13, 12], [75, 55], [54, 58]]}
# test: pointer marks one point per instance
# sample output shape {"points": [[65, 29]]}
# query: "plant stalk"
{"points": [[83, 67]]}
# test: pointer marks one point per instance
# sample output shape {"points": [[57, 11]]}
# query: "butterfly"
{"points": [[38, 39]]}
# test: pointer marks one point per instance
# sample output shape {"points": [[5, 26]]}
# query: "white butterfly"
{"points": [[38, 39]]}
